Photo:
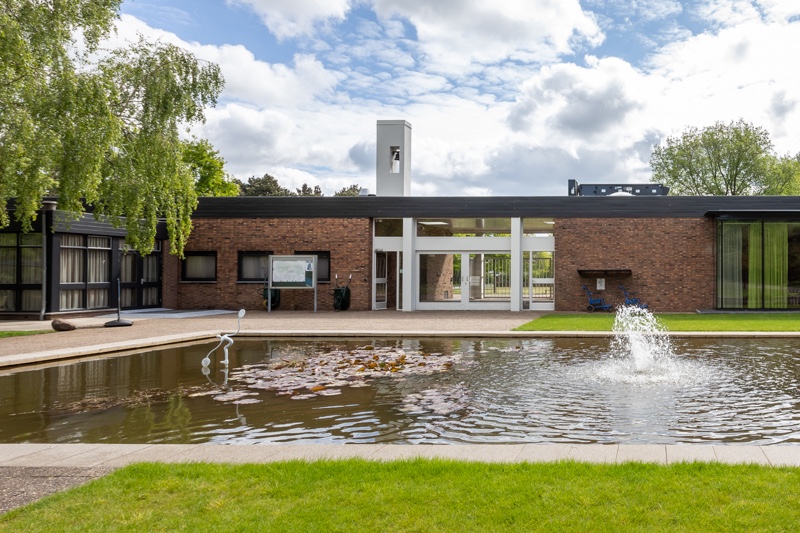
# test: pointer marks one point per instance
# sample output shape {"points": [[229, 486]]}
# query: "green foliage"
{"points": [[784, 176], [352, 190], [423, 495], [305, 190], [724, 159], [103, 133], [208, 169], [266, 185], [773, 322]]}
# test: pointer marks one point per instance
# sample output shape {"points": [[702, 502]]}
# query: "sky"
{"points": [[505, 97]]}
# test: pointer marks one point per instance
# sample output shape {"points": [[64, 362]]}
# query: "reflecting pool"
{"points": [[460, 391]]}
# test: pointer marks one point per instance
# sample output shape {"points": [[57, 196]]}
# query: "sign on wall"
{"points": [[293, 271]]}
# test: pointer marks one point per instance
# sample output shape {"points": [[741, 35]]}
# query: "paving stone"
{"points": [[11, 453], [642, 453], [782, 455], [734, 454], [537, 453], [689, 453], [594, 453]]}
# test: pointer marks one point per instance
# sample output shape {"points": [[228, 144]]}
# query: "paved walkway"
{"points": [[30, 471]]}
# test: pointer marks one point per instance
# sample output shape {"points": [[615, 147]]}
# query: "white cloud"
{"points": [[485, 120], [292, 18], [260, 83], [456, 33], [572, 106]]}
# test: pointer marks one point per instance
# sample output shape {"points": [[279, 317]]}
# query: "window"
{"points": [[758, 265], [388, 227], [199, 266], [323, 264], [254, 266], [85, 272]]}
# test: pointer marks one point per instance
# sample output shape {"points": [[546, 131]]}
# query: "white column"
{"points": [[516, 264], [409, 264]]}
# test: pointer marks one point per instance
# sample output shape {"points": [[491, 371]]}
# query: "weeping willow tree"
{"points": [[94, 127]]}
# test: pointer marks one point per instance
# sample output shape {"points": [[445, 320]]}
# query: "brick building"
{"points": [[422, 253]]}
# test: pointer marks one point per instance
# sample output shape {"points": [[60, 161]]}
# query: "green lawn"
{"points": [[425, 496], [774, 322], [4, 334]]}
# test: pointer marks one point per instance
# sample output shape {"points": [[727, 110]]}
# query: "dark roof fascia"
{"points": [[86, 224], [755, 214], [494, 206]]}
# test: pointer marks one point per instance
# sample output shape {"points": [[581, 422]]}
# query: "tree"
{"points": [[266, 185], [208, 169], [723, 159], [352, 190], [305, 190], [783, 177], [102, 132]]}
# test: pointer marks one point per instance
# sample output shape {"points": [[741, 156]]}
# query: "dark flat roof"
{"points": [[497, 206]]}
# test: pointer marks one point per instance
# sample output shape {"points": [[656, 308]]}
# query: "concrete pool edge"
{"points": [[119, 455], [32, 358]]}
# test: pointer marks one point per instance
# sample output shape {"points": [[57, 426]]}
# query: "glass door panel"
{"points": [[380, 280]]}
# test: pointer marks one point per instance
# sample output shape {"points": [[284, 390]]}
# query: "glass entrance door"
{"points": [[140, 280], [538, 281], [380, 281]]}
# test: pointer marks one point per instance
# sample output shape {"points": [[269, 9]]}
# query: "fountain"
{"points": [[640, 339], [641, 387]]}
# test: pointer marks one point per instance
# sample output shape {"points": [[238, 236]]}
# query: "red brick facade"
{"points": [[349, 242], [672, 261]]}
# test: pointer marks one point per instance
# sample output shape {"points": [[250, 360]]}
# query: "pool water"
{"points": [[485, 391]]}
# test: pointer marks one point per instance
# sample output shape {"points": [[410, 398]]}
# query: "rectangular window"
{"points": [[758, 265], [440, 278], [388, 227], [8, 258], [463, 227], [323, 264], [253, 266], [20, 271], [199, 266]]}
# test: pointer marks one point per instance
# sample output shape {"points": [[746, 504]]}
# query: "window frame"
{"points": [[187, 255], [251, 253]]}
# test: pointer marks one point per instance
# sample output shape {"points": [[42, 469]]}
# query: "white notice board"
{"points": [[293, 271]]}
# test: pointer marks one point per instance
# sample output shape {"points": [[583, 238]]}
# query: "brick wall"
{"points": [[171, 274], [348, 241], [672, 261]]}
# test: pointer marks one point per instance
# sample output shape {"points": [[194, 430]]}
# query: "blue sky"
{"points": [[505, 97]]}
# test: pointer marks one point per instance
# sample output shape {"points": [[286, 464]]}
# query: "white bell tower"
{"points": [[393, 158]]}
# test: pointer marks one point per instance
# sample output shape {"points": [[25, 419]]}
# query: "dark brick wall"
{"points": [[672, 261], [171, 273], [348, 241]]}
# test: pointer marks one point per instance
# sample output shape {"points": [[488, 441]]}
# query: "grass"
{"points": [[4, 334], [423, 495], [771, 322]]}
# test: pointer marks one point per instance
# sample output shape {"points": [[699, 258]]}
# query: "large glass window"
{"points": [[758, 265], [440, 278], [20, 271], [84, 272]]}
